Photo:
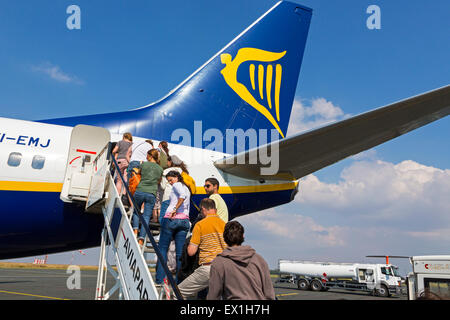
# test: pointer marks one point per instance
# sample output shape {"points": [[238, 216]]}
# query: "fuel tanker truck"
{"points": [[378, 279]]}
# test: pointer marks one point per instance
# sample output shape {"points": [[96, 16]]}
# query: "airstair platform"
{"points": [[90, 179]]}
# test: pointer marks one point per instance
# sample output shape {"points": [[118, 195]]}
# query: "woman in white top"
{"points": [[175, 223], [165, 186]]}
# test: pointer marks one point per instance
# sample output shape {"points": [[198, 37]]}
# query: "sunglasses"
{"points": [[207, 185]]}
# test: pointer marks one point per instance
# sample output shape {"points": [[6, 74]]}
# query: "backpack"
{"points": [[189, 181], [134, 179]]}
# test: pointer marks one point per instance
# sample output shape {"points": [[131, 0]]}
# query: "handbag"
{"points": [[134, 180]]}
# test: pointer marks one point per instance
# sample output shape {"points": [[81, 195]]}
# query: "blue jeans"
{"points": [[162, 212], [176, 229], [149, 200]]}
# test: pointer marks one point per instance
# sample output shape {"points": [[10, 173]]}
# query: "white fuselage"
{"points": [[28, 140]]}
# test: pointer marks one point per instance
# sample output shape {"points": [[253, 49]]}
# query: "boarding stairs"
{"points": [[92, 181]]}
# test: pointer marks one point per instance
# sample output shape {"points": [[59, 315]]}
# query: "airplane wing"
{"points": [[305, 153]]}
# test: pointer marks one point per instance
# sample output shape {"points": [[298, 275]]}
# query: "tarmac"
{"points": [[60, 284]]}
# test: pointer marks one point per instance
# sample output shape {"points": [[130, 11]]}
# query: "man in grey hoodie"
{"points": [[239, 273]]}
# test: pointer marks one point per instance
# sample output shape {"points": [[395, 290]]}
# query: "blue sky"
{"points": [[128, 54]]}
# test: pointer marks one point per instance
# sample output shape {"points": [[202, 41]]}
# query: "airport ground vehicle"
{"points": [[430, 278], [320, 276]]}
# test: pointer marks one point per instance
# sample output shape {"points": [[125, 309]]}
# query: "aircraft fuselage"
{"points": [[34, 220]]}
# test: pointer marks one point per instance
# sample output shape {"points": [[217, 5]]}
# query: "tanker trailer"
{"points": [[321, 276]]}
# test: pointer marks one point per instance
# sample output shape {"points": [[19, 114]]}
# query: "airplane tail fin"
{"points": [[251, 82]]}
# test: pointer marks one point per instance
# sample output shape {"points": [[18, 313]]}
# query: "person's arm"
{"points": [[115, 150], [192, 249], [215, 289], [267, 285], [163, 183], [177, 206], [195, 241]]}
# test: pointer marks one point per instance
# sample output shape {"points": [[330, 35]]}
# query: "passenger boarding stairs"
{"points": [[92, 180]]}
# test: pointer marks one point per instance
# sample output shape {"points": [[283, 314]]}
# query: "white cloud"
{"points": [[370, 154], [376, 207], [407, 194], [294, 227], [320, 112], [55, 73], [441, 235]]}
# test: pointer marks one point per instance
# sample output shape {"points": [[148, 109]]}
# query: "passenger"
{"points": [[164, 190], [138, 156], [207, 238], [166, 187], [157, 206], [139, 152], [239, 273], [122, 154], [212, 189], [175, 223], [151, 173], [163, 148], [163, 155]]}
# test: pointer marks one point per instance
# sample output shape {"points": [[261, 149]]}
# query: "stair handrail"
{"points": [[174, 286]]}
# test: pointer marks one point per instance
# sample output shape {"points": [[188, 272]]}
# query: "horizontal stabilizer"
{"points": [[308, 152]]}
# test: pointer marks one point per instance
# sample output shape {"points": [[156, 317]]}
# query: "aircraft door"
{"points": [[86, 143]]}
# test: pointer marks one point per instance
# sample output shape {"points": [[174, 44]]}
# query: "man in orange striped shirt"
{"points": [[207, 238]]}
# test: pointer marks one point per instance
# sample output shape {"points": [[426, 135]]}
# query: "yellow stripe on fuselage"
{"points": [[30, 186], [57, 187], [252, 189]]}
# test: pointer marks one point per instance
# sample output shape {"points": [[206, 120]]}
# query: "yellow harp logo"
{"points": [[229, 73]]}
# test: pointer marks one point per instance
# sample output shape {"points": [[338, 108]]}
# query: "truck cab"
{"points": [[390, 275], [379, 277], [396, 272], [430, 278]]}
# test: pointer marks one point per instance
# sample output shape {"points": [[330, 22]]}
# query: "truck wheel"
{"points": [[303, 284], [316, 285], [383, 291]]}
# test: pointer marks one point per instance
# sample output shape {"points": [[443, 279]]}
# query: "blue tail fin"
{"points": [[250, 83]]}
